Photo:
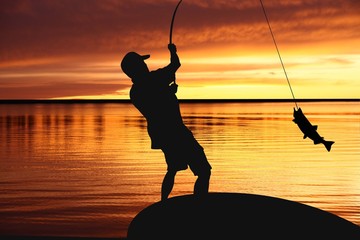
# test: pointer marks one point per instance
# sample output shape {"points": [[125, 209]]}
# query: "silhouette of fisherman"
{"points": [[153, 94]]}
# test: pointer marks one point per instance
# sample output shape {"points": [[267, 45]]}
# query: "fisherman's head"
{"points": [[133, 65]]}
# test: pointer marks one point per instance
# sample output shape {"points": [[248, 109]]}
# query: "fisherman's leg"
{"points": [[201, 187], [167, 184]]}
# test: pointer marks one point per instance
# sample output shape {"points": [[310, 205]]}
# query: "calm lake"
{"points": [[87, 169]]}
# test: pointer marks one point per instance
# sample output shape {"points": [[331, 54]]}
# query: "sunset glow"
{"points": [[71, 49]]}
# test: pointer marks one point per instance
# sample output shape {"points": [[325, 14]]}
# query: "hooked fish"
{"points": [[310, 130]]}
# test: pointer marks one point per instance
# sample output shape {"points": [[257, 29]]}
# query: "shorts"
{"points": [[186, 152]]}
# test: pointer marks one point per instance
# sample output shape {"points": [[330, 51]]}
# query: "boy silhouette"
{"points": [[153, 94]]}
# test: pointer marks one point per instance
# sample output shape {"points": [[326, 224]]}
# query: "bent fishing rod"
{"points": [[172, 26], [172, 21], [278, 52]]}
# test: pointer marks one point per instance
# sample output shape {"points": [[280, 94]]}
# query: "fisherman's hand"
{"points": [[172, 48]]}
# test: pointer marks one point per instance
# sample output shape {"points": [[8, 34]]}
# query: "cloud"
{"points": [[48, 88], [38, 28]]}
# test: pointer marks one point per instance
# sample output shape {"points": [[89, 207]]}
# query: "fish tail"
{"points": [[328, 145]]}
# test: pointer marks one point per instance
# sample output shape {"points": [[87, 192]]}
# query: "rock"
{"points": [[237, 216]]}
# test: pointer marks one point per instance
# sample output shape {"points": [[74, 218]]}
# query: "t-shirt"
{"points": [[155, 98]]}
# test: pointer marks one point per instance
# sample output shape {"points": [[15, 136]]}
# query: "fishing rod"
{"points": [[278, 52], [172, 21], [171, 28]]}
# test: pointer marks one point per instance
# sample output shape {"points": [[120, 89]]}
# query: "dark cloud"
{"points": [[44, 89], [37, 28]]}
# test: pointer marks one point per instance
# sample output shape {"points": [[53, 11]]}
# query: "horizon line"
{"points": [[17, 101]]}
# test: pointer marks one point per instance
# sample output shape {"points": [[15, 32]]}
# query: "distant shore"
{"points": [[73, 101], [55, 238]]}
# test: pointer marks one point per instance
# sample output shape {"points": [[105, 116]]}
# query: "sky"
{"points": [[71, 49]]}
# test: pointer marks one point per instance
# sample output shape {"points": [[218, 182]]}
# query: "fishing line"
{"points": [[278, 52]]}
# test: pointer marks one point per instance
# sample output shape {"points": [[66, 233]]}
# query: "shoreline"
{"points": [[81, 101]]}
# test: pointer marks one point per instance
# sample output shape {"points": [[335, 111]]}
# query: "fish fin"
{"points": [[315, 127], [328, 145], [305, 136]]}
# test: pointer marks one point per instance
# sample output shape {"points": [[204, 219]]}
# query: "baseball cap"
{"points": [[130, 60]]}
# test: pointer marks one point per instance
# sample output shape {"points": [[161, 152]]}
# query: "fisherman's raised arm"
{"points": [[174, 58], [165, 76]]}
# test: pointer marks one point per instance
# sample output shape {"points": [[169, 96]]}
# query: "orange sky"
{"points": [[72, 48]]}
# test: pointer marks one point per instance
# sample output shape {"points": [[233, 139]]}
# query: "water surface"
{"points": [[87, 169]]}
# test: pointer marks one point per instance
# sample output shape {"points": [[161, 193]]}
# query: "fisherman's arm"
{"points": [[165, 76], [174, 58]]}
